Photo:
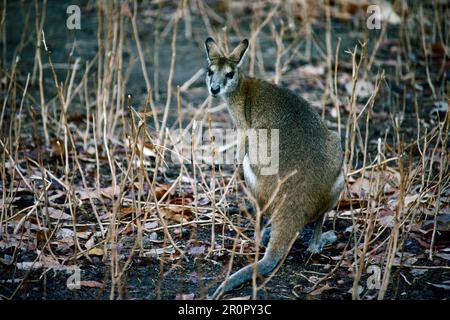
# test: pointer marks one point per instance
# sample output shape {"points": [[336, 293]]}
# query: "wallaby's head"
{"points": [[223, 72]]}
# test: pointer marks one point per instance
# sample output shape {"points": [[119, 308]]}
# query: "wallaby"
{"points": [[306, 148]]}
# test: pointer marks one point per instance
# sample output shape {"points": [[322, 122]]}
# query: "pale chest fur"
{"points": [[249, 175], [236, 108]]}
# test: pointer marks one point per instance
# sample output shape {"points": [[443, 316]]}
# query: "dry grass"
{"points": [[95, 163]]}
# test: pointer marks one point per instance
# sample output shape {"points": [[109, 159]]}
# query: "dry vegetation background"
{"points": [[86, 144]]}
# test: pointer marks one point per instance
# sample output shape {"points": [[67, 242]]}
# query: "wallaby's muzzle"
{"points": [[215, 91]]}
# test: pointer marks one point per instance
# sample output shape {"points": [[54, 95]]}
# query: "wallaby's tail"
{"points": [[283, 233]]}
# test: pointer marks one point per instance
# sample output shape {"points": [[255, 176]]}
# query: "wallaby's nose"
{"points": [[215, 91]]}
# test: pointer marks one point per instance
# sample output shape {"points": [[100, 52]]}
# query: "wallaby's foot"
{"points": [[264, 267], [320, 240], [325, 239], [314, 244], [315, 247]]}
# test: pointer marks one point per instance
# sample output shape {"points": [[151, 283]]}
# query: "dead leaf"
{"points": [[445, 256], [197, 250], [181, 201], [310, 71], [405, 258], [354, 203], [184, 296], [110, 192], [127, 211], [22, 220], [12, 242], [442, 223], [96, 252], [91, 284], [7, 202], [363, 89], [68, 241], [418, 272], [48, 260], [386, 217], [387, 221], [58, 214], [90, 243], [85, 194], [410, 199], [161, 190], [84, 234], [320, 290], [29, 265], [57, 148], [159, 251], [445, 286], [360, 187], [64, 233], [151, 225], [179, 214], [422, 242]]}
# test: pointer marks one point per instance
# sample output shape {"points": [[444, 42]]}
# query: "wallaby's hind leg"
{"points": [[265, 236], [315, 245], [282, 234], [317, 241]]}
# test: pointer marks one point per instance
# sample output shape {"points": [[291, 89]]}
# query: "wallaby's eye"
{"points": [[210, 72], [230, 75]]}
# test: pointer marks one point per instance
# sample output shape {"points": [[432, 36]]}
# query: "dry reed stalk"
{"points": [[443, 166], [351, 127], [425, 51], [394, 236], [143, 66], [10, 92], [337, 104], [213, 183], [3, 33], [205, 17], [119, 109], [157, 45], [67, 134], [328, 87], [279, 50], [177, 17], [39, 23]]}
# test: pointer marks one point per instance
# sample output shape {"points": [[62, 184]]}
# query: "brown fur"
{"points": [[305, 146]]}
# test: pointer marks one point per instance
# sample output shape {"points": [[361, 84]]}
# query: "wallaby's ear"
{"points": [[212, 49], [239, 52]]}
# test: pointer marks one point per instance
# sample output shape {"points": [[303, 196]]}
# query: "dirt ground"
{"points": [[160, 272]]}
